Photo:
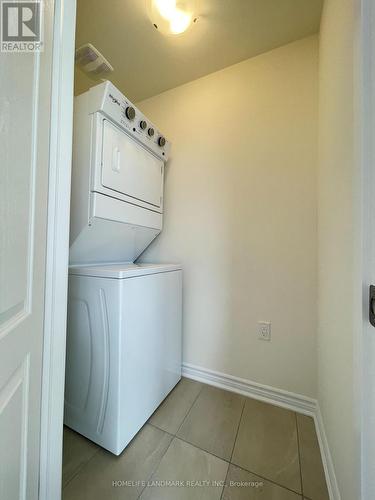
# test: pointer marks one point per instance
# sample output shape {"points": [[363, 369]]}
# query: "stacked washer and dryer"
{"points": [[124, 319]]}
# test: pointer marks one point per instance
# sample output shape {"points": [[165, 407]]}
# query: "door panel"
{"points": [[25, 83], [128, 168], [13, 415], [16, 188]]}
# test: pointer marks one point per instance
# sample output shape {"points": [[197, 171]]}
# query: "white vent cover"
{"points": [[91, 61]]}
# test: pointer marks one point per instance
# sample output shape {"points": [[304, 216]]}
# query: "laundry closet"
{"points": [[204, 191], [194, 228]]}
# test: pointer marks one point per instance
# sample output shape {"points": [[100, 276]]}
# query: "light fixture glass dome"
{"points": [[172, 17]]}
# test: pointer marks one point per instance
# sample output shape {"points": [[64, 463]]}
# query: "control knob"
{"points": [[130, 113], [161, 141], [151, 132], [143, 124]]}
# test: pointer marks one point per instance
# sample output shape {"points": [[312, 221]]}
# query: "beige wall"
{"points": [[339, 245], [240, 201]]}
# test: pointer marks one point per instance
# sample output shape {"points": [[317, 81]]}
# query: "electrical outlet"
{"points": [[264, 330]]}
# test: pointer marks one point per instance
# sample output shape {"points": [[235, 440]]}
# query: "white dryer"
{"points": [[117, 178], [124, 319]]}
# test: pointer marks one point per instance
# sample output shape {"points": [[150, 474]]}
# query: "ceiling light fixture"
{"points": [[172, 17]]}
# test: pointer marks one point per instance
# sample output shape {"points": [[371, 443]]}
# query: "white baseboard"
{"points": [[333, 488], [278, 397]]}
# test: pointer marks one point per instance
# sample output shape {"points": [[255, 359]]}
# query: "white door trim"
{"points": [[57, 250], [366, 152]]}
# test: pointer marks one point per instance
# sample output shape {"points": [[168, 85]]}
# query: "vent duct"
{"points": [[92, 62]]}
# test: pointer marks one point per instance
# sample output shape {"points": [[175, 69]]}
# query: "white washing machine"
{"points": [[123, 348], [124, 318]]}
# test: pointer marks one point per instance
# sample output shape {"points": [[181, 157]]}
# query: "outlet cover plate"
{"points": [[264, 330]]}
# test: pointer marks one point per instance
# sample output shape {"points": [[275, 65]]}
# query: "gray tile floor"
{"points": [[202, 443]]}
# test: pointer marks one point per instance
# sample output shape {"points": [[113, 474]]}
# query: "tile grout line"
{"points": [[299, 454], [174, 436], [234, 444], [202, 449], [227, 460], [238, 430], [157, 465], [225, 482], [81, 467], [160, 429], [270, 481], [189, 410], [183, 420], [194, 446]]}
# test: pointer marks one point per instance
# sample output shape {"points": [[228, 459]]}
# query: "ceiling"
{"points": [[228, 31]]}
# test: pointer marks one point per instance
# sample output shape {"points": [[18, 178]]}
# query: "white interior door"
{"points": [[25, 83], [129, 169]]}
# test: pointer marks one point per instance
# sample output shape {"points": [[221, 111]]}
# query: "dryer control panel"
{"points": [[107, 99]]}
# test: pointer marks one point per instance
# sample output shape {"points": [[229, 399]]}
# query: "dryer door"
{"points": [[128, 168]]}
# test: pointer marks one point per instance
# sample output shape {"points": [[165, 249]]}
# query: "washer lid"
{"points": [[121, 271]]}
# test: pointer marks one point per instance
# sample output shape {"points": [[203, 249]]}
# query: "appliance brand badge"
{"points": [[114, 100]]}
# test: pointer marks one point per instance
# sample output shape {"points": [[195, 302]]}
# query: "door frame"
{"points": [[365, 87], [53, 376]]}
